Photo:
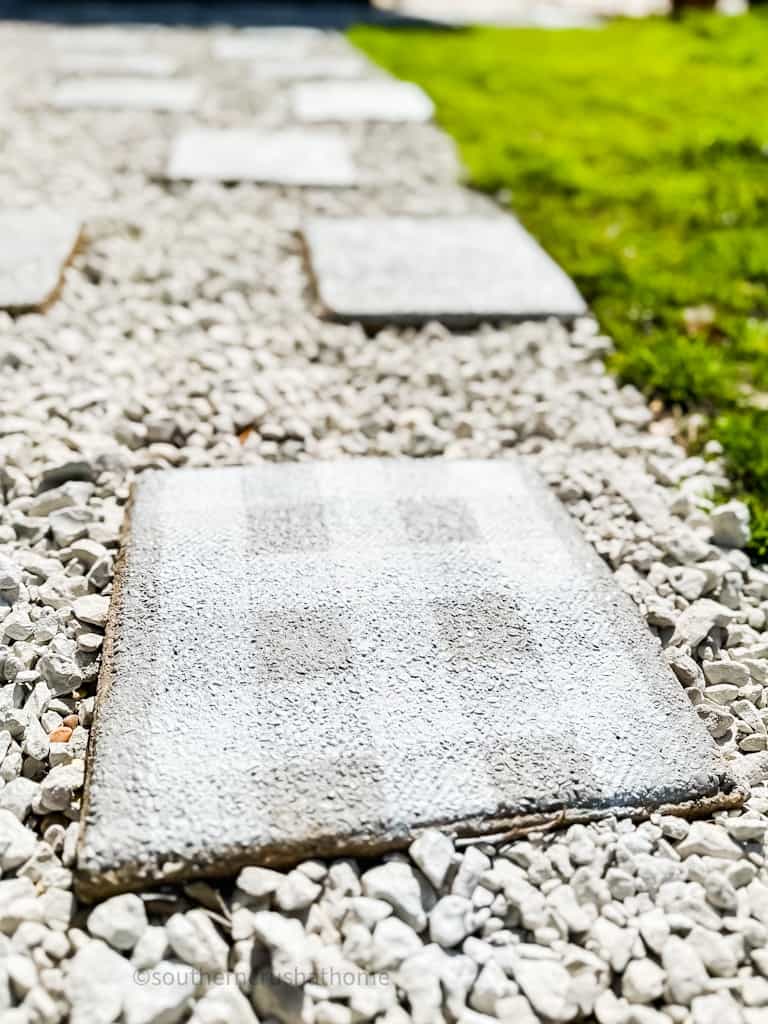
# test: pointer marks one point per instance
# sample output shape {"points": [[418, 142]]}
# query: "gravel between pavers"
{"points": [[186, 336]]}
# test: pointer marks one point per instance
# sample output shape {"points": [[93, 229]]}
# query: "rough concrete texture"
{"points": [[459, 270], [281, 157], [342, 66], [127, 93], [87, 62], [35, 246], [377, 100], [290, 42], [316, 659]]}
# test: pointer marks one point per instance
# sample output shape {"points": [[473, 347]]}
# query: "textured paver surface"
{"points": [[281, 157], [342, 66], [88, 62], [128, 93], [361, 649], [35, 245], [379, 100], [454, 269]]}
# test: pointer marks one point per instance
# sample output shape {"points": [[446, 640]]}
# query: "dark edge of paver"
{"points": [[453, 321], [92, 885], [104, 682], [49, 300], [718, 791]]}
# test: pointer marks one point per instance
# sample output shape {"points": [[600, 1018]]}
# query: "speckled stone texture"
{"points": [[460, 270], [35, 245], [378, 100], [178, 95], [325, 658], [303, 158]]}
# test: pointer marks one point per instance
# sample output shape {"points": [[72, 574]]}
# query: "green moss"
{"points": [[638, 155]]}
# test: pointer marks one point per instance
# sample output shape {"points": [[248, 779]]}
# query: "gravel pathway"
{"points": [[186, 335]]}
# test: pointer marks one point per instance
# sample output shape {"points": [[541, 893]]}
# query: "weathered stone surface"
{"points": [[277, 42], [327, 658], [35, 246], [88, 62], [375, 100], [341, 67], [283, 157], [127, 93], [459, 270]]}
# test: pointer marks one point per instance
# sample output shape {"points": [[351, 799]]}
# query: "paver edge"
{"points": [[78, 246]]}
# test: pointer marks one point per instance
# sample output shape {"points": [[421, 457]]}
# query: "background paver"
{"points": [[35, 245], [314, 659], [282, 157], [268, 42], [128, 93], [361, 101], [455, 269], [87, 62], [342, 66]]}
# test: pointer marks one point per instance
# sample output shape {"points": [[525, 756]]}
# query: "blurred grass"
{"points": [[638, 155]]}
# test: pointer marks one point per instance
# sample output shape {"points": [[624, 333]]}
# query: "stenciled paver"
{"points": [[459, 270], [345, 66], [375, 100], [35, 246], [276, 42], [303, 158], [87, 62], [324, 658], [127, 93]]}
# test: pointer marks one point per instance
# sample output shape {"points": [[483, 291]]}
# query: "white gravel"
{"points": [[186, 334]]}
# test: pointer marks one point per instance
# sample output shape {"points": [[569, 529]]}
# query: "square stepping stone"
{"points": [[275, 42], [323, 659], [346, 66], [459, 270], [35, 246], [375, 100], [147, 65], [284, 157], [127, 93]]}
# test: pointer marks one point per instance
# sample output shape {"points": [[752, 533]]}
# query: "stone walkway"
{"points": [[187, 334]]}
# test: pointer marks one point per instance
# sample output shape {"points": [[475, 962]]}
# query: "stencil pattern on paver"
{"points": [[455, 269], [447, 650]]}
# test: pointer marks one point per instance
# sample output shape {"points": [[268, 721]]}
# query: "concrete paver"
{"points": [[376, 100], [293, 157], [127, 93], [324, 658], [459, 270], [35, 246]]}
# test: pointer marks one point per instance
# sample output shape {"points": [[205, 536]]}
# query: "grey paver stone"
{"points": [[281, 157], [277, 42], [321, 659], [337, 67], [374, 100], [127, 92], [455, 269], [35, 246], [88, 62]]}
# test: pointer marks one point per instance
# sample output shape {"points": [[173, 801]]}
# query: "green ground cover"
{"points": [[638, 156]]}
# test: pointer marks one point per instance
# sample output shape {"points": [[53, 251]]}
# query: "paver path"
{"points": [[186, 335]]}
